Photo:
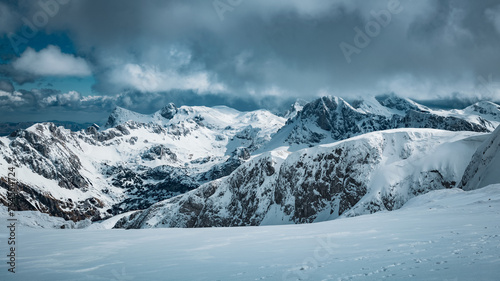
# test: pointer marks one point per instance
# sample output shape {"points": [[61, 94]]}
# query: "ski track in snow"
{"points": [[442, 235]]}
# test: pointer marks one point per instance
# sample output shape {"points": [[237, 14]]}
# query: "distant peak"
{"points": [[394, 101], [116, 116], [487, 104], [119, 111], [485, 108], [326, 103], [295, 108]]}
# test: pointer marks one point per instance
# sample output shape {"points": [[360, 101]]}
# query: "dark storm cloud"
{"points": [[256, 49], [6, 85]]}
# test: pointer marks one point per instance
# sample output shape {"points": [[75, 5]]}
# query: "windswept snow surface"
{"points": [[442, 235]]}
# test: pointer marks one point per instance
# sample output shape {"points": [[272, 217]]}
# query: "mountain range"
{"points": [[194, 166]]}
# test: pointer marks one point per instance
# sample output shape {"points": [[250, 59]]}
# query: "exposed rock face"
{"points": [[370, 173], [158, 152], [146, 186], [334, 179], [30, 199], [41, 151], [169, 111], [338, 118], [217, 202]]}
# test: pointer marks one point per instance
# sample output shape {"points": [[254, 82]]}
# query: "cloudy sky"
{"points": [[77, 60]]}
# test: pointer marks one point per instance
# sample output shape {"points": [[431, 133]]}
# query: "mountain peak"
{"points": [[168, 111], [295, 108], [485, 108], [112, 119], [393, 101], [325, 105], [121, 115]]}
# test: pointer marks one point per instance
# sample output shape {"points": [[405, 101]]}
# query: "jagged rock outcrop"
{"points": [[169, 111]]}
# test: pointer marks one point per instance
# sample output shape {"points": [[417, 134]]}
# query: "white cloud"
{"points": [[14, 98], [51, 62], [62, 99], [148, 78]]}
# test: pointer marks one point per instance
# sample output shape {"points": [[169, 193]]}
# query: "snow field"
{"points": [[442, 235]]}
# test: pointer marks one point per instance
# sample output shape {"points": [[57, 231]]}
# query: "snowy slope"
{"points": [[443, 235], [484, 167], [369, 173]]}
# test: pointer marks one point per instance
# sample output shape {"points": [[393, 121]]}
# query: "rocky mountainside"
{"points": [[138, 161], [373, 172]]}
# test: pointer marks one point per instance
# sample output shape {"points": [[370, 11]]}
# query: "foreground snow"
{"points": [[443, 235]]}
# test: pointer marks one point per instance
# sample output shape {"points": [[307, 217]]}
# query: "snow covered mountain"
{"points": [[330, 119], [138, 161], [373, 172]]}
